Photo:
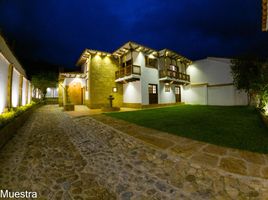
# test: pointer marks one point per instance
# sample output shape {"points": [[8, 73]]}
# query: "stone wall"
{"points": [[102, 80]]}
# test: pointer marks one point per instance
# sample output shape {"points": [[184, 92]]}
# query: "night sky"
{"points": [[57, 31]]}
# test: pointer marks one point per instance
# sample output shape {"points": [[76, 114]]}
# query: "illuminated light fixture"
{"points": [[139, 49], [48, 89], [114, 89], [99, 53], [109, 55], [151, 55]]}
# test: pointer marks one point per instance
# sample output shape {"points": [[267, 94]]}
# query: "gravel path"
{"points": [[80, 158]]}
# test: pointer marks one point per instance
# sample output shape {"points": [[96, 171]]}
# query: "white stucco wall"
{"points": [[148, 76], [52, 92], [166, 97], [3, 82], [195, 94], [68, 81], [223, 95], [29, 93], [15, 88], [24, 92], [210, 71], [132, 92], [241, 98]]}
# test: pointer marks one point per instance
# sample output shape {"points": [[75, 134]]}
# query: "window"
{"points": [[150, 62], [127, 63], [167, 87], [152, 89], [177, 90], [173, 68]]}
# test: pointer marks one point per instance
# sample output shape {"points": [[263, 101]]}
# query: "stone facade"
{"points": [[101, 75]]}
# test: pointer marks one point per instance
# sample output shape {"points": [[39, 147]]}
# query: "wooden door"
{"points": [[75, 93], [153, 94], [178, 93]]}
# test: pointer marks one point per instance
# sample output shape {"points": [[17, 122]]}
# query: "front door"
{"points": [[178, 93], [75, 93], [153, 95]]}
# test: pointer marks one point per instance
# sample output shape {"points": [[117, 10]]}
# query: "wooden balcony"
{"points": [[169, 75], [128, 73]]}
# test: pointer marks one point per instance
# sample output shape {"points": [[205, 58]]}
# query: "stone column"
{"points": [[9, 86]]}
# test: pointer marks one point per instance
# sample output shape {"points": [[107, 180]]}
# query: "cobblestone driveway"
{"points": [[80, 158]]}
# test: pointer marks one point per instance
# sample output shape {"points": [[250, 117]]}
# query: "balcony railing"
{"points": [[127, 71], [174, 75]]}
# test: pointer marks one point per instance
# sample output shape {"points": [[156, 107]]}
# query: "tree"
{"points": [[44, 80], [250, 75]]}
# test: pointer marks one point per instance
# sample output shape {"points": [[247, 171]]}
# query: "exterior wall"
{"points": [[24, 92], [195, 94], [3, 82], [102, 79], [52, 93], [241, 98], [69, 81], [215, 79], [148, 76], [15, 88], [132, 92], [60, 93], [222, 95], [29, 93], [210, 71], [166, 97]]}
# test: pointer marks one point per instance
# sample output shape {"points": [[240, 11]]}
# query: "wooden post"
{"points": [[31, 92], [9, 86], [27, 88], [20, 90]]}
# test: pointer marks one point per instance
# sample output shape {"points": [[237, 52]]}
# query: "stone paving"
{"points": [[62, 157]]}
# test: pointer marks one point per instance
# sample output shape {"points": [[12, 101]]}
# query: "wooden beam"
{"points": [[26, 95], [20, 89], [9, 86]]}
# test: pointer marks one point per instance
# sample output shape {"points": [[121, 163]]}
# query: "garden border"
{"points": [[10, 129]]}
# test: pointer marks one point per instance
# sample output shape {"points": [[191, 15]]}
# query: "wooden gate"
{"points": [[75, 93]]}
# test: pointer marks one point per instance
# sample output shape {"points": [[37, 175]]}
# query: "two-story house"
{"points": [[134, 74], [138, 76]]}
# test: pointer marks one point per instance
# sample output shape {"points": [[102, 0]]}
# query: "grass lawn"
{"points": [[237, 127]]}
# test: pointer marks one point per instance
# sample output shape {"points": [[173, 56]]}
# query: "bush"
{"points": [[5, 118]]}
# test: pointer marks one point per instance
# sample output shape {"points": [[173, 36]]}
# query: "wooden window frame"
{"points": [[167, 88], [150, 62]]}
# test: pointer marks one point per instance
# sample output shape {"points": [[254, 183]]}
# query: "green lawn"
{"points": [[237, 127]]}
